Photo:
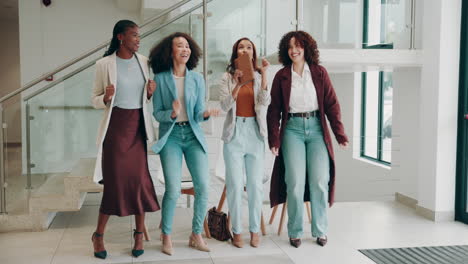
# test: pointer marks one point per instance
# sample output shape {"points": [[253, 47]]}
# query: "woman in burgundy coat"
{"points": [[302, 97]]}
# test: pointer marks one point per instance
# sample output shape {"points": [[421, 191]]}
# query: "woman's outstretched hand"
{"points": [[211, 112]]}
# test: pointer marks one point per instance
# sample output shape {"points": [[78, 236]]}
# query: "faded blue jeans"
{"points": [[304, 151], [245, 153], [182, 141]]}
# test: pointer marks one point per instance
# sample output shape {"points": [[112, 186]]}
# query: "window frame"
{"points": [[365, 30]]}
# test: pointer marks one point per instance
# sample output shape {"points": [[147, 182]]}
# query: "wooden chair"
{"points": [[283, 214]]}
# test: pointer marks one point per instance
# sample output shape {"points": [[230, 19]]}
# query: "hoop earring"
{"points": [[121, 41]]}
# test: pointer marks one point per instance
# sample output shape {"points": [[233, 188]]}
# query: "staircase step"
{"points": [[60, 193], [81, 177], [54, 185]]}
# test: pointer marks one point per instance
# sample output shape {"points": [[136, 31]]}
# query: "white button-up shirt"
{"points": [[303, 95]]}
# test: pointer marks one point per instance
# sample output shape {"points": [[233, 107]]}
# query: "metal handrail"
{"points": [[86, 54], [413, 24], [89, 64]]}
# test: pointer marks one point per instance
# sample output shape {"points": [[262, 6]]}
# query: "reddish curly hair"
{"points": [[303, 40]]}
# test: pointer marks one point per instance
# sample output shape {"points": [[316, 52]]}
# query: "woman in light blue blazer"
{"points": [[179, 107]]}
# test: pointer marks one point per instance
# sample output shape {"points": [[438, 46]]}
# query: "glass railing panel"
{"points": [[229, 21], [13, 197], [62, 125]]}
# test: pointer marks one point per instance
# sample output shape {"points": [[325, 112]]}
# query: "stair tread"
{"points": [[84, 168], [54, 185]]}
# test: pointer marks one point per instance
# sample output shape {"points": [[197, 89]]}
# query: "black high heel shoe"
{"points": [[100, 254], [137, 252], [295, 242]]}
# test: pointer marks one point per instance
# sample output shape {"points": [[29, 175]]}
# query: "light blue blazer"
{"points": [[166, 93]]}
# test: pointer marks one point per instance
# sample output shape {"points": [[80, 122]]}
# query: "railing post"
{"points": [[205, 48], [264, 29], [2, 166], [28, 147], [299, 14], [413, 22]]}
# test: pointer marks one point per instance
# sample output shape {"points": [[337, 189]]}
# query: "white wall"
{"points": [[51, 36], [438, 106], [405, 129]]}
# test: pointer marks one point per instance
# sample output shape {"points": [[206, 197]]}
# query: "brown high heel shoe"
{"points": [[254, 240], [193, 243], [237, 240]]}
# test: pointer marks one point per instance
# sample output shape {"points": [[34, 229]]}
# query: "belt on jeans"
{"points": [[306, 114], [184, 123]]}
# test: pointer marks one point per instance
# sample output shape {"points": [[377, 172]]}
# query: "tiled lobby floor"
{"points": [[353, 226]]}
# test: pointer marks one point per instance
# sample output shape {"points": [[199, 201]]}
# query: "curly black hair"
{"points": [[303, 40], [160, 57]]}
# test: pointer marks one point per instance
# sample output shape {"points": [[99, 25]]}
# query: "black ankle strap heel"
{"points": [[100, 254], [137, 252]]}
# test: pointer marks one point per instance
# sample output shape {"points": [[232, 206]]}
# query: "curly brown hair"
{"points": [[160, 57], [231, 68], [303, 40]]}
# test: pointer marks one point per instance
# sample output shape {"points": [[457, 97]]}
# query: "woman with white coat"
{"points": [[244, 133], [122, 88]]}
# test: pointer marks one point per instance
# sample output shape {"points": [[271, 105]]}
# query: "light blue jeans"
{"points": [[304, 150], [245, 153], [182, 141]]}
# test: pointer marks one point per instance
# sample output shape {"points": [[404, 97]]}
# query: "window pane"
{"points": [[388, 23], [374, 30], [371, 113], [387, 90], [396, 21], [332, 23]]}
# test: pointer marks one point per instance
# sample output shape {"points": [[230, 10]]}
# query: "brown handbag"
{"points": [[218, 221], [218, 224]]}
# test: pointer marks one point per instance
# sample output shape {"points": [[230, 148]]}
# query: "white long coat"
{"points": [[106, 74]]}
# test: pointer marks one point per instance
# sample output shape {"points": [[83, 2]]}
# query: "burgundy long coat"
{"points": [[279, 109]]}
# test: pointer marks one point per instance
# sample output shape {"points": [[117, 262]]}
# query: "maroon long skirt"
{"points": [[128, 187]]}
